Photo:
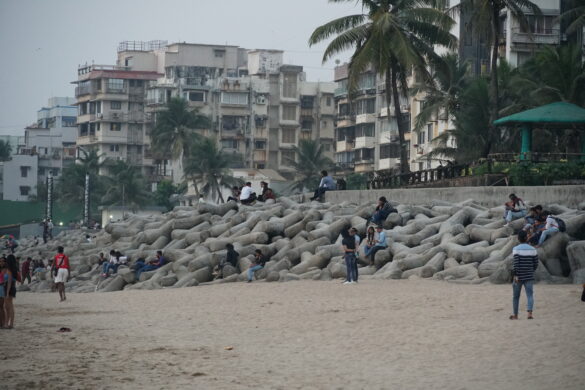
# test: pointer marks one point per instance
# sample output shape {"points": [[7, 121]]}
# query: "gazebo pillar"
{"points": [[525, 152]]}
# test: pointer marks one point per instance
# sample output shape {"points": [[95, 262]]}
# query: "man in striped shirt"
{"points": [[525, 263]]}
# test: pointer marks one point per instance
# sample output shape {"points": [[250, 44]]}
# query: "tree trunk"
{"points": [[218, 190], [494, 94], [392, 70]]}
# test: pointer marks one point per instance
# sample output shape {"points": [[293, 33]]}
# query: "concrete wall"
{"points": [[569, 196]]}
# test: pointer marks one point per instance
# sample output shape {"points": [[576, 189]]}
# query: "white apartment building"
{"points": [[259, 107], [52, 138], [20, 177], [366, 136]]}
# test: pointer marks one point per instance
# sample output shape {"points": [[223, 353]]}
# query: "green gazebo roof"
{"points": [[554, 113]]}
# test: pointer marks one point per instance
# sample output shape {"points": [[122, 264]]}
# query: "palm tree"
{"points": [[310, 161], [394, 37], [485, 19], [5, 150], [125, 186], [209, 167], [574, 16], [72, 181], [442, 91], [175, 129]]}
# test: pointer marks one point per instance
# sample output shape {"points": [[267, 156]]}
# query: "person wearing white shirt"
{"points": [[247, 196], [551, 227]]}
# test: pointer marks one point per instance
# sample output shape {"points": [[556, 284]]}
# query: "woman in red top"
{"points": [[61, 271]]}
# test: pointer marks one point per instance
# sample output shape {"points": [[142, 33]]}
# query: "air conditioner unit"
{"points": [[115, 115], [261, 100]]}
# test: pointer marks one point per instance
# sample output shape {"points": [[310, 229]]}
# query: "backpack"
{"points": [[561, 223]]}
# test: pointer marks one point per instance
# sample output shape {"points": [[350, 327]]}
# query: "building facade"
{"points": [[259, 107]]}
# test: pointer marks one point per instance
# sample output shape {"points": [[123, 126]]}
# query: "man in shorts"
{"points": [[61, 271]]}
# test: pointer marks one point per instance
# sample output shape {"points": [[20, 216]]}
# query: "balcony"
{"points": [[345, 121], [365, 118], [364, 142], [116, 90], [549, 36], [338, 92], [84, 90], [345, 146]]}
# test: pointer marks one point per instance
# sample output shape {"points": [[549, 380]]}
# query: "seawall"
{"points": [[570, 195]]}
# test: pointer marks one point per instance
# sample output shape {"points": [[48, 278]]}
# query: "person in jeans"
{"points": [[348, 245], [551, 227], [151, 266], [353, 232], [515, 209], [259, 263], [380, 243], [383, 210], [525, 263]]}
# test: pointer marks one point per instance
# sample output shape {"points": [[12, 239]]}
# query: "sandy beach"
{"points": [[299, 335]]}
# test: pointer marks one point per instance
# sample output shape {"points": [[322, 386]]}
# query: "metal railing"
{"points": [[380, 180]]}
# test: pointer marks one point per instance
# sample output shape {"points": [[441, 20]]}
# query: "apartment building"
{"points": [[52, 138], [366, 134], [259, 107], [111, 117]]}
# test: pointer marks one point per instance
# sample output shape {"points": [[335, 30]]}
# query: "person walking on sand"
{"points": [[525, 263], [61, 271]]}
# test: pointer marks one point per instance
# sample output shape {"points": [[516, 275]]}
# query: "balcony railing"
{"points": [[549, 36]]}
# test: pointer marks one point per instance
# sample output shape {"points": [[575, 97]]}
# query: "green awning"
{"points": [[554, 113]]}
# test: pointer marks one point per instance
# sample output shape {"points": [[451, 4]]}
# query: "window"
{"points": [[116, 105], [24, 190], [328, 101], [117, 84], [135, 83], [307, 124], [229, 143], [69, 121], [24, 171], [365, 130], [234, 98], [429, 132], [289, 136], [260, 145], [468, 40], [390, 151], [115, 126], [366, 106], [289, 113], [128, 61], [289, 87], [196, 96], [114, 148], [307, 101], [288, 156], [218, 53], [305, 135], [421, 137]]}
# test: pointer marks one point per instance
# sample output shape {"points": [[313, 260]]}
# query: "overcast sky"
{"points": [[43, 41]]}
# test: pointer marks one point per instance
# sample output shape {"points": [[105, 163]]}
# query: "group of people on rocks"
{"points": [[539, 224], [246, 195]]}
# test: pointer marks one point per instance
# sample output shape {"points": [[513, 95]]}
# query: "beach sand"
{"points": [[299, 335]]}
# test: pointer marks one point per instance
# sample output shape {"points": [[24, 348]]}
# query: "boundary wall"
{"points": [[566, 195]]}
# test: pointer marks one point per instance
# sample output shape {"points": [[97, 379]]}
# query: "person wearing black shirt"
{"points": [[348, 244], [231, 258], [259, 263]]}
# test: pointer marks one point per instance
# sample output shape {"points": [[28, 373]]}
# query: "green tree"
{"points": [[394, 37], [125, 186], [574, 16], [485, 20], [175, 130], [442, 91], [309, 162], [164, 190], [5, 150], [208, 166]]}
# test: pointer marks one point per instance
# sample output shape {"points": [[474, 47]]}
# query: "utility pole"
{"points": [[86, 208], [49, 211]]}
